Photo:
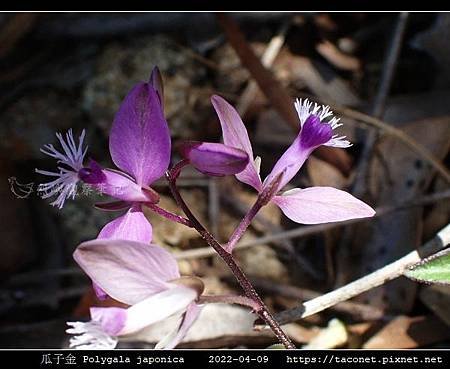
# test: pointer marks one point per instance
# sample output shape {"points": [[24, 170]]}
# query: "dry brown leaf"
{"points": [[437, 298], [409, 332]]}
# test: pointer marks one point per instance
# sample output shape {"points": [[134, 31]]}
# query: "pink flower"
{"points": [[140, 146], [147, 278], [310, 205]]}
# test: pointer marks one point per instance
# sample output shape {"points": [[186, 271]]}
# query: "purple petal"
{"points": [[133, 226], [157, 83], [175, 337], [122, 187], [316, 205], [140, 140], [289, 163], [101, 295], [214, 158], [235, 135], [112, 319], [315, 133], [92, 174], [128, 271], [119, 321]]}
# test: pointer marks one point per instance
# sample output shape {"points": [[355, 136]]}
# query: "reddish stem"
{"points": [[169, 215], [263, 199], [261, 308]]}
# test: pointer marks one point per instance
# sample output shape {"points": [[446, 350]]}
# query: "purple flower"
{"points": [[145, 277], [70, 162], [140, 147], [214, 159], [308, 206]]}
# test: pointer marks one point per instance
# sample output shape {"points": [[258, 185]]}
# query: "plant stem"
{"points": [[250, 292], [242, 226], [169, 215], [263, 199], [229, 299], [370, 281]]}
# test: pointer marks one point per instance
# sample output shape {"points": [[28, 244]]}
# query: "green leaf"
{"points": [[434, 269]]}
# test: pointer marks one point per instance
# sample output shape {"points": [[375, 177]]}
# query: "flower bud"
{"points": [[214, 159]]}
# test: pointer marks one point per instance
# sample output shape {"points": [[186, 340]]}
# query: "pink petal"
{"points": [[112, 319], [290, 162], [175, 337], [101, 295], [116, 184], [316, 205], [140, 140], [128, 271], [119, 321], [235, 135], [214, 158], [133, 226]]}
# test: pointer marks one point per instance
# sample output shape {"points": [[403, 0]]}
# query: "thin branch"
{"points": [[379, 104], [263, 199], [399, 134], [267, 59], [267, 227], [356, 310], [251, 293], [375, 279], [309, 230], [169, 215], [229, 299]]}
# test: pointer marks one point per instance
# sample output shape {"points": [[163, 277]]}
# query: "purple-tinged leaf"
{"points": [[140, 139], [316, 205], [235, 135], [128, 271]]}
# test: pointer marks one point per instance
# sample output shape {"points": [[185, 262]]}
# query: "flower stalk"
{"points": [[263, 199], [260, 308]]}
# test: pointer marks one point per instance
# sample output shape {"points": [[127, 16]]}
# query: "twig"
{"points": [[194, 55], [380, 102], [263, 198], [395, 132], [356, 310], [228, 299], [267, 59], [336, 57], [309, 230], [284, 244], [375, 279], [227, 257], [168, 215]]}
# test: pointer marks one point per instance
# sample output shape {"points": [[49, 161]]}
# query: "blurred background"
{"points": [[71, 70]]}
